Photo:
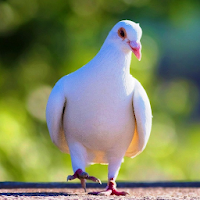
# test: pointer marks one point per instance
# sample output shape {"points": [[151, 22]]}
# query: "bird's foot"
{"points": [[80, 174], [110, 190]]}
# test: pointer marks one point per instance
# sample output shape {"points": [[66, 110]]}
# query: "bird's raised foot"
{"points": [[110, 190], [80, 174]]}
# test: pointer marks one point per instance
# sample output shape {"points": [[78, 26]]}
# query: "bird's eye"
{"points": [[122, 33]]}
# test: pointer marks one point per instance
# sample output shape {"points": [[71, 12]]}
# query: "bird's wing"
{"points": [[143, 121], [54, 116]]}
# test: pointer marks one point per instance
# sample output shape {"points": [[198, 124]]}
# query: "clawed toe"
{"points": [[110, 190], [94, 179], [83, 176], [71, 177]]}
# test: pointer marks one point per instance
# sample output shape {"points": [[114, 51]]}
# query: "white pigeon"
{"points": [[100, 113]]}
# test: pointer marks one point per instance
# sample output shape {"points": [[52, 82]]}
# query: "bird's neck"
{"points": [[112, 60]]}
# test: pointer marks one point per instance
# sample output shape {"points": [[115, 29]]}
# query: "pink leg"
{"points": [[80, 174], [110, 190]]}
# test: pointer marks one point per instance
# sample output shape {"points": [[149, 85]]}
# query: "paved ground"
{"points": [[58, 191]]}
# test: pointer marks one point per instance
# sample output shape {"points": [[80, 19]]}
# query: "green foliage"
{"points": [[41, 41]]}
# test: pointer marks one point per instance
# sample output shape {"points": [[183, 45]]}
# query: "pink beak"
{"points": [[136, 49]]}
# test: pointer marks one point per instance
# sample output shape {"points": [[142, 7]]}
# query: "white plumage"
{"points": [[100, 113]]}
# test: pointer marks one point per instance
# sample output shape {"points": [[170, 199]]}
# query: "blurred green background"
{"points": [[41, 41]]}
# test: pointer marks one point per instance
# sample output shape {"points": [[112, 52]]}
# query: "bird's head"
{"points": [[126, 35]]}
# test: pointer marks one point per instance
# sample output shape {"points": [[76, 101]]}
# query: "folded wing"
{"points": [[54, 115], [143, 121]]}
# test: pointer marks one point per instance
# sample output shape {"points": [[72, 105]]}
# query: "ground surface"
{"points": [[141, 191]]}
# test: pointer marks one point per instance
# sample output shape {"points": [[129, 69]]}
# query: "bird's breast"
{"points": [[99, 114]]}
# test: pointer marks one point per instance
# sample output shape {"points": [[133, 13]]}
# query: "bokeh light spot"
{"points": [[37, 100]]}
